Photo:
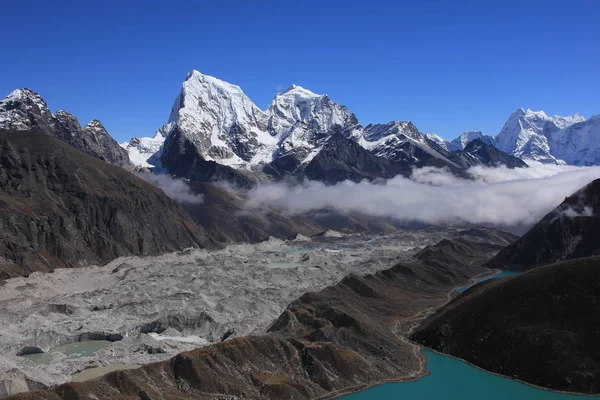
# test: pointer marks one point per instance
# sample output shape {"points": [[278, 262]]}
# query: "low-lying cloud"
{"points": [[497, 196], [176, 189]]}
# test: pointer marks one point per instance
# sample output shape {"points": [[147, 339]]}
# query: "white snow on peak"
{"points": [[461, 142], [577, 143], [206, 112], [226, 126], [527, 134], [299, 91], [25, 95], [144, 151], [15, 95], [94, 124], [437, 139], [15, 117], [299, 105]]}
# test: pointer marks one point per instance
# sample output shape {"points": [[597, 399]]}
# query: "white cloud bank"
{"points": [[176, 189], [497, 196]]}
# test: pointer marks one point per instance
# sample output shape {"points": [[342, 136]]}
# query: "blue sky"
{"points": [[449, 66]]}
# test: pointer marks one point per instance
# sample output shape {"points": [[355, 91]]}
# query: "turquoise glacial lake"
{"points": [[451, 379], [70, 350]]}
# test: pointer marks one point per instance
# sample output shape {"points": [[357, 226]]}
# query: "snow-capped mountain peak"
{"points": [[22, 109], [299, 105], [461, 142], [299, 91], [220, 120], [437, 139], [528, 134]]}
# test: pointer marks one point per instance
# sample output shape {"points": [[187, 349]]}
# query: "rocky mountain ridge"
{"points": [[25, 110], [213, 121]]}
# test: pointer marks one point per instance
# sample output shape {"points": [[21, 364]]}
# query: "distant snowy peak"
{"points": [[578, 143], [438, 140], [461, 142], [528, 134], [299, 105], [533, 135]]}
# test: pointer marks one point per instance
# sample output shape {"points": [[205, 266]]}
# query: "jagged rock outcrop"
{"points": [[569, 231], [62, 208], [24, 109]]}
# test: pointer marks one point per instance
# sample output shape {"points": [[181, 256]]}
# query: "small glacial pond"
{"points": [[70, 350], [501, 274], [450, 379], [96, 372]]}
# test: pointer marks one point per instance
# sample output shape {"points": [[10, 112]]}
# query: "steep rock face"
{"points": [[526, 132], [219, 121], [578, 143], [438, 140], [541, 326], [570, 231], [302, 121], [342, 159], [478, 152], [299, 105], [145, 152], [181, 158], [401, 144], [62, 208], [24, 109]]}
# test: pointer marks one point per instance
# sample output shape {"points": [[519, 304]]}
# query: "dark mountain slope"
{"points": [[343, 338], [542, 326], [62, 208], [341, 158], [570, 231]]}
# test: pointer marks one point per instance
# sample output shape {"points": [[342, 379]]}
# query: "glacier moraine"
{"points": [[138, 310]]}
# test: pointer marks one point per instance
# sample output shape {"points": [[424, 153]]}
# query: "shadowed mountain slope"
{"points": [[569, 231], [62, 208], [541, 327]]}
